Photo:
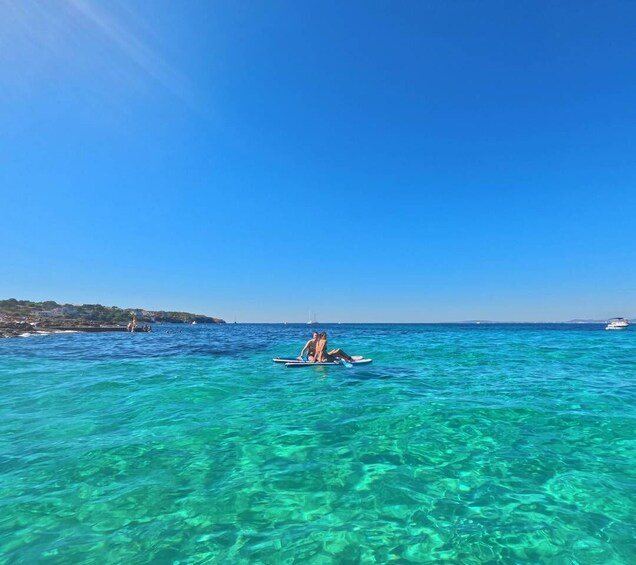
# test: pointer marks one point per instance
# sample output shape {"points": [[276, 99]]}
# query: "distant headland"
{"points": [[19, 317]]}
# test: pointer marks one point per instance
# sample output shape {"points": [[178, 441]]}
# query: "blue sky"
{"points": [[370, 161]]}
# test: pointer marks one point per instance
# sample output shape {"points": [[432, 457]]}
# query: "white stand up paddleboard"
{"points": [[356, 359], [290, 362]]}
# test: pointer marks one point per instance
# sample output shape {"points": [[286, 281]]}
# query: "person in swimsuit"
{"points": [[324, 356], [310, 348]]}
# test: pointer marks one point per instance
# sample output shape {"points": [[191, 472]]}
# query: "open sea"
{"points": [[460, 444]]}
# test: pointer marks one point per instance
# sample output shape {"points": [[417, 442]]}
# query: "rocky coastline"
{"points": [[20, 318], [22, 328]]}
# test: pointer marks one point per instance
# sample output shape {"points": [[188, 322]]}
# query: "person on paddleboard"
{"points": [[323, 356], [310, 348]]}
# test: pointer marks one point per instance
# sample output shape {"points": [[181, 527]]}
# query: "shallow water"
{"points": [[467, 444]]}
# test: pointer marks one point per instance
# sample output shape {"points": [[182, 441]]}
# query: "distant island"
{"points": [[576, 321], [18, 317]]}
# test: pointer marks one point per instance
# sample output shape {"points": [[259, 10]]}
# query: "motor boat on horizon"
{"points": [[617, 324]]}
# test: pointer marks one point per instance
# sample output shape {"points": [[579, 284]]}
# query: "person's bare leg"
{"points": [[340, 354]]}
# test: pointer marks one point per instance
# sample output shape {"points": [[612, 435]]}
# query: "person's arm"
{"points": [[306, 348], [320, 347]]}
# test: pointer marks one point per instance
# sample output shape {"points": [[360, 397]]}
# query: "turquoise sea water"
{"points": [[460, 444]]}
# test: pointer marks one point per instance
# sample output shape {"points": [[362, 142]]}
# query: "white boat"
{"points": [[312, 319], [617, 324]]}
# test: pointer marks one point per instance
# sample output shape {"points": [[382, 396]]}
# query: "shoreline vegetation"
{"points": [[25, 317]]}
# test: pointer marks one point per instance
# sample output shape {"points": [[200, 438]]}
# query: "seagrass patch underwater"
{"points": [[460, 443]]}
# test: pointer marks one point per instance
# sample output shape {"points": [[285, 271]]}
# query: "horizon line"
{"points": [[475, 323]]}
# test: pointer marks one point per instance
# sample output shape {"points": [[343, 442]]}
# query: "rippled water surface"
{"points": [[464, 444]]}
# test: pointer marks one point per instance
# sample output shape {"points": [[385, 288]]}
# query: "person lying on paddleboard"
{"points": [[310, 348], [323, 356]]}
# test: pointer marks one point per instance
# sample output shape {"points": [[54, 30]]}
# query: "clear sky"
{"points": [[369, 161]]}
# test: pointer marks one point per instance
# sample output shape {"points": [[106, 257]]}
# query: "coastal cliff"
{"points": [[18, 317]]}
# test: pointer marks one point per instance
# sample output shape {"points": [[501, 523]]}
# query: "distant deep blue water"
{"points": [[462, 444]]}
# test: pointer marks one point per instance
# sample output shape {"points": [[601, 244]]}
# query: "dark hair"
{"points": [[323, 335]]}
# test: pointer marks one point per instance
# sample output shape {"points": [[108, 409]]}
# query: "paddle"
{"points": [[346, 364]]}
